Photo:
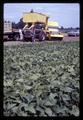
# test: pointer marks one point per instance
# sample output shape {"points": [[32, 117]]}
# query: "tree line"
{"points": [[18, 25], [21, 24]]}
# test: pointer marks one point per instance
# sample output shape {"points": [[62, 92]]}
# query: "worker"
{"points": [[21, 34]]}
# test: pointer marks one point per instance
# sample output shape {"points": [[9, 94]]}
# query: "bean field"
{"points": [[41, 79]]}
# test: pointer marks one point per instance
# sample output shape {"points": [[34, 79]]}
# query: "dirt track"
{"points": [[20, 42]]}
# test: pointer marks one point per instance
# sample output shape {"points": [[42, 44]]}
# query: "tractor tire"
{"points": [[33, 39], [16, 37], [42, 36], [60, 39]]}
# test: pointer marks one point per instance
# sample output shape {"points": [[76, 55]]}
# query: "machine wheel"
{"points": [[33, 39], [60, 39], [42, 36], [25, 39], [17, 37]]}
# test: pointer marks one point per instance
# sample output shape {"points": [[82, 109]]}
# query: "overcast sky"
{"points": [[67, 15]]}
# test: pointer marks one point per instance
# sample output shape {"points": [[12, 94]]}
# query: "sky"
{"points": [[67, 15]]}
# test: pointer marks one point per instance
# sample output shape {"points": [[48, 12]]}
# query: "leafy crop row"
{"points": [[41, 79]]}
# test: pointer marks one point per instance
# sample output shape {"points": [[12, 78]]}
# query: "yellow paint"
{"points": [[57, 35], [34, 17], [54, 32], [53, 24]]}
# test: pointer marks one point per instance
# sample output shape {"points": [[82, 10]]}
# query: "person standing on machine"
{"points": [[21, 34]]}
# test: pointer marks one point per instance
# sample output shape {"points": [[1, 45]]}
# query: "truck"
{"points": [[9, 33], [74, 33], [53, 29]]}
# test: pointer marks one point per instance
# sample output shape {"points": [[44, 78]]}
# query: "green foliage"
{"points": [[41, 79]]}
